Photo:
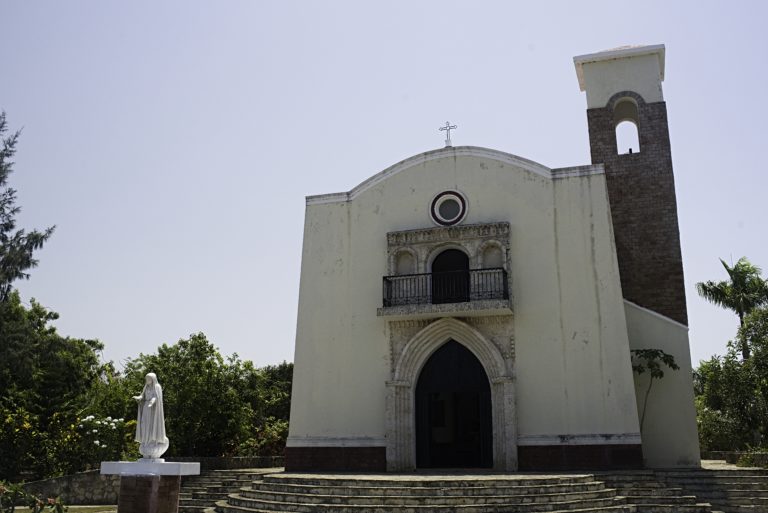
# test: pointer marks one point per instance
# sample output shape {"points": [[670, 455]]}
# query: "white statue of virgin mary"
{"points": [[150, 422]]}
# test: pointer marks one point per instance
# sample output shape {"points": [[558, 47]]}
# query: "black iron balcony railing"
{"points": [[446, 287]]}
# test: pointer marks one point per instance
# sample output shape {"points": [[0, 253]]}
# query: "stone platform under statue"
{"points": [[149, 485]]}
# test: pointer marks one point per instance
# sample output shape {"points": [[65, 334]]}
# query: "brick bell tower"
{"points": [[625, 85]]}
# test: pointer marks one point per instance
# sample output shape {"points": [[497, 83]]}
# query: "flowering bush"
{"points": [[84, 443]]}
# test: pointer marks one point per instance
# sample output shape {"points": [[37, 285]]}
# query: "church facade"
{"points": [[468, 308]]}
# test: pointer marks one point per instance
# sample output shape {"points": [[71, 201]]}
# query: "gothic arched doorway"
{"points": [[453, 411], [450, 277]]}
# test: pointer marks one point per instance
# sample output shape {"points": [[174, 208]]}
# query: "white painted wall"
{"points": [[340, 358], [574, 345], [641, 74], [670, 437], [573, 370]]}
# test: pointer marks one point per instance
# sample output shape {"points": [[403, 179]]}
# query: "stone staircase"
{"points": [[642, 491], [650, 494], [730, 491], [486, 493], [203, 491]]}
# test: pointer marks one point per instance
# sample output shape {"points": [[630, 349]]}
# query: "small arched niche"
{"points": [[405, 263], [626, 123], [492, 256]]}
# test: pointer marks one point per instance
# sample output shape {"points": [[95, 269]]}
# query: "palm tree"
{"points": [[745, 291]]}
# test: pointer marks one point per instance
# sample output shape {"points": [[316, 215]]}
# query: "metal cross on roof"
{"points": [[448, 127]]}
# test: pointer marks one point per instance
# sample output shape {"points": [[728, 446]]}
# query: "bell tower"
{"points": [[624, 85]]}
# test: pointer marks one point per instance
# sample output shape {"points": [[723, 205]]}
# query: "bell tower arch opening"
{"points": [[626, 123]]}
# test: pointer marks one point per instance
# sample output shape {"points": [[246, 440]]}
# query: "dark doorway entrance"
{"points": [[450, 277], [453, 411]]}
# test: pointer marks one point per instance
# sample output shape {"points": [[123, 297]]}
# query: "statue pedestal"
{"points": [[149, 486]]}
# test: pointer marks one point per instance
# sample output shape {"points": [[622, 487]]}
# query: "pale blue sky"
{"points": [[172, 143]]}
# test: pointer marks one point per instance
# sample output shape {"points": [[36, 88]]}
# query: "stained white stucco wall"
{"points": [[572, 364], [637, 69], [670, 436], [575, 347]]}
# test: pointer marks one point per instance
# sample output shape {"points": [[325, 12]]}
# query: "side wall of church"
{"points": [[340, 359], [670, 438], [574, 381], [574, 371]]}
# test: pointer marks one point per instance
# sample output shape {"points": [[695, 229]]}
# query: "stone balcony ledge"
{"points": [[479, 308]]}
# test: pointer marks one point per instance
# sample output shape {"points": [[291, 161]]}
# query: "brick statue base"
{"points": [[149, 494]]}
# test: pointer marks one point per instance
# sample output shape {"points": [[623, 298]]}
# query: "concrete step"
{"points": [[211, 495], [427, 480], [218, 489], [193, 509], [450, 507], [727, 491], [428, 490], [215, 475], [210, 481], [737, 493], [673, 508], [718, 473], [200, 492], [640, 492], [650, 492], [223, 507], [743, 509], [199, 503], [651, 495], [437, 499], [657, 499]]}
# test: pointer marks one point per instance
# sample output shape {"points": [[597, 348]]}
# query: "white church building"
{"points": [[469, 308]]}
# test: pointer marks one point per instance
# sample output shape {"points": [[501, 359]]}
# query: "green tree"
{"points": [[16, 246], [45, 382], [732, 394], [112, 394], [744, 291], [754, 329], [274, 392], [728, 413], [205, 410], [651, 360], [40, 370], [268, 391]]}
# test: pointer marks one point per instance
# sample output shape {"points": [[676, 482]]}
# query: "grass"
{"points": [[80, 509]]}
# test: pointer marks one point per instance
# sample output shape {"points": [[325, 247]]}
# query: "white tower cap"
{"points": [[634, 68]]}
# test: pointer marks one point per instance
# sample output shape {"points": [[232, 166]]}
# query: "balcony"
{"points": [[466, 293]]}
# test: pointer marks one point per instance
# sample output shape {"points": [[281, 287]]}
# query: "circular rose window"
{"points": [[448, 208]]}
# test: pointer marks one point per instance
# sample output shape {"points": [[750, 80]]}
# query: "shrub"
{"points": [[84, 443], [269, 440], [14, 495]]}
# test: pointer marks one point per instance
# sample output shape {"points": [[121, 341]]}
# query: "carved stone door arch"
{"points": [[400, 406]]}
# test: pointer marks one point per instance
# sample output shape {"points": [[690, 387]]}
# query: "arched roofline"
{"points": [[458, 151]]}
